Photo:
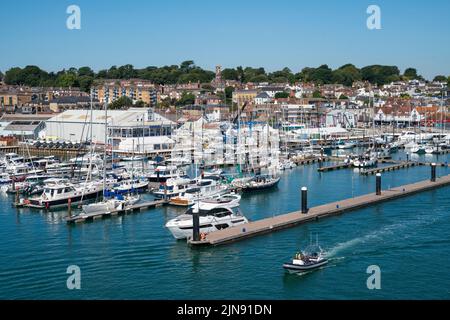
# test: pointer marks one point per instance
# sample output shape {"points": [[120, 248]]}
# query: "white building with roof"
{"points": [[124, 126]]}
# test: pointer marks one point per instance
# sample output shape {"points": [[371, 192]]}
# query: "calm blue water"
{"points": [[135, 257]]}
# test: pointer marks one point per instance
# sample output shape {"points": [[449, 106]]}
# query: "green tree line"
{"points": [[187, 72]]}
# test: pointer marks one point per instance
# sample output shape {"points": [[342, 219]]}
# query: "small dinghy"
{"points": [[307, 260]]}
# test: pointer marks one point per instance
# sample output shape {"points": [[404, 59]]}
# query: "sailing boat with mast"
{"points": [[108, 205], [262, 182]]}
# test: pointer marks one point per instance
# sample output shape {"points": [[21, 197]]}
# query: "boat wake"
{"points": [[380, 234]]}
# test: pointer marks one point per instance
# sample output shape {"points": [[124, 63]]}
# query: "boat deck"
{"points": [[295, 218]]}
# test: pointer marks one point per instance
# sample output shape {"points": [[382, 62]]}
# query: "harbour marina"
{"points": [[240, 179], [311, 214], [156, 248]]}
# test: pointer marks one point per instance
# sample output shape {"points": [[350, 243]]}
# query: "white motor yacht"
{"points": [[163, 173], [212, 217], [204, 189], [110, 205], [173, 187]]}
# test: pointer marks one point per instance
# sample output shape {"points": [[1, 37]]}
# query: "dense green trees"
{"points": [[380, 75], [281, 95], [347, 75], [187, 72], [440, 78], [229, 95], [410, 74], [120, 103], [230, 74], [317, 94], [140, 104], [187, 98], [85, 76]]}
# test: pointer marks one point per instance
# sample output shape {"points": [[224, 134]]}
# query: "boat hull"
{"points": [[295, 268], [63, 203], [250, 188]]}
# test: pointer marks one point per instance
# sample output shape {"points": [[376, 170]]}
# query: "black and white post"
{"points": [[433, 172], [196, 223], [304, 200], [378, 184]]}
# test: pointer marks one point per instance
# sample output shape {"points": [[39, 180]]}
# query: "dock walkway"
{"points": [[335, 167], [397, 166], [295, 218], [99, 215]]}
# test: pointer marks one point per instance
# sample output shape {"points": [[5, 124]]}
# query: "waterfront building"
{"points": [[23, 126], [124, 126]]}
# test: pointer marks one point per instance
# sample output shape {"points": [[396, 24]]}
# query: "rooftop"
{"points": [[130, 117]]}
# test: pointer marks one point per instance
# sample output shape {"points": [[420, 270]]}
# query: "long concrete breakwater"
{"points": [[284, 221]]}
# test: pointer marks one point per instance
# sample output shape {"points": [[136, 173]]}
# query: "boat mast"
{"points": [[372, 95], [104, 151], [91, 135], [143, 141]]}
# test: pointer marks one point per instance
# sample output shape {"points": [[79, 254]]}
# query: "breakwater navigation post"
{"points": [[292, 219]]}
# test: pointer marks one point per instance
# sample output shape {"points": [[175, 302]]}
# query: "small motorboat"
{"points": [[307, 260]]}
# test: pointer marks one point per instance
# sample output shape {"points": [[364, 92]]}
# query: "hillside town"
{"points": [[33, 112]]}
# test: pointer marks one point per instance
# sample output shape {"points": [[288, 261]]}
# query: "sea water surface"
{"points": [[135, 257]]}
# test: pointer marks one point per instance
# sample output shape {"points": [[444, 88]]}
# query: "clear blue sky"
{"points": [[272, 34]]}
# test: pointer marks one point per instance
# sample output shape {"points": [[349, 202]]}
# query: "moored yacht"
{"points": [[260, 183], [204, 189], [162, 173], [131, 185], [419, 149], [229, 200], [58, 193], [212, 217], [173, 187], [109, 205]]}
